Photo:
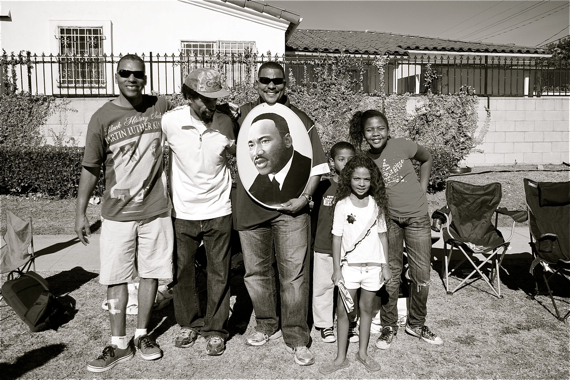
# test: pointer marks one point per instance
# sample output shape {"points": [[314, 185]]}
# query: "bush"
{"points": [[446, 126], [47, 170]]}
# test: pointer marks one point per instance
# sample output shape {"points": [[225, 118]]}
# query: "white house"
{"points": [[108, 28]]}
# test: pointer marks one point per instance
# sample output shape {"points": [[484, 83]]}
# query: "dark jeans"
{"points": [[290, 237], [416, 233], [216, 236]]}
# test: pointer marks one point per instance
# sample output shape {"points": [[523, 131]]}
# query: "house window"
{"points": [[81, 62], [206, 48]]}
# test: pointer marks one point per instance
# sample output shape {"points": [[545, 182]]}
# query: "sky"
{"points": [[523, 23]]}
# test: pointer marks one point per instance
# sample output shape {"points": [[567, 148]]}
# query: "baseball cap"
{"points": [[206, 82]]}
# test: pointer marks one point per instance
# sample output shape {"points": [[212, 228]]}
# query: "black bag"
{"points": [[31, 299]]}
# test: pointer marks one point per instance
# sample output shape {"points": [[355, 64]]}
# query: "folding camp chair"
{"points": [[467, 225], [17, 254], [548, 205]]}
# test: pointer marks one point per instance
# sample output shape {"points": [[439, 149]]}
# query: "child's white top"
{"points": [[349, 222]]}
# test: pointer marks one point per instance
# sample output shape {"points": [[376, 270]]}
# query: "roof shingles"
{"points": [[358, 42]]}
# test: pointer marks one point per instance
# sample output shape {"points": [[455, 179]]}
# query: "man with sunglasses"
{"points": [[282, 235], [137, 230], [200, 184]]}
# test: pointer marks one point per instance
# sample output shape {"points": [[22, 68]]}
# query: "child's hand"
{"points": [[386, 274], [337, 277]]}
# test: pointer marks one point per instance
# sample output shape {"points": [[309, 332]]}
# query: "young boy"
{"points": [[323, 287]]}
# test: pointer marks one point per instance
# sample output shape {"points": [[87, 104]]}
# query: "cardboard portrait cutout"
{"points": [[274, 155]]}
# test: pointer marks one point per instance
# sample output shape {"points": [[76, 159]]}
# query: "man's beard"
{"points": [[207, 115]]}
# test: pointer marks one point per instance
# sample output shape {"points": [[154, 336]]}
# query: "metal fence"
{"points": [[93, 76]]}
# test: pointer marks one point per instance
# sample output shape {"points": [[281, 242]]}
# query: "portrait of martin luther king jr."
{"points": [[283, 172]]}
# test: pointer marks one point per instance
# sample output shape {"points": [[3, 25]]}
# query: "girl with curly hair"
{"points": [[407, 221], [359, 243]]}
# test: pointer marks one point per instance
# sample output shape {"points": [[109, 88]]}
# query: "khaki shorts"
{"points": [[145, 245]]}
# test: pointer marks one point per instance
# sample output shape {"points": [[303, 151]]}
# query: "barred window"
{"points": [[206, 48], [81, 62]]}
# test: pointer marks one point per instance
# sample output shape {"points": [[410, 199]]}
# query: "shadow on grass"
{"points": [[67, 281], [30, 360], [59, 246]]}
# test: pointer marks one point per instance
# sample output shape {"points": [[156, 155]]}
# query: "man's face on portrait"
{"points": [[268, 150]]}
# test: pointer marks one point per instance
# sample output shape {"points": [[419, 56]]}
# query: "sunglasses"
{"points": [[127, 74], [276, 81]]}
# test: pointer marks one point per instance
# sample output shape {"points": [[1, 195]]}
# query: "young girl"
{"points": [[359, 243], [407, 221]]}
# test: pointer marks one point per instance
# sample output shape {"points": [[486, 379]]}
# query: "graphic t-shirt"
{"points": [[128, 142], [349, 222], [405, 195], [325, 195]]}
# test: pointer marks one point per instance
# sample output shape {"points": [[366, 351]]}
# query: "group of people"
{"points": [[372, 204]]}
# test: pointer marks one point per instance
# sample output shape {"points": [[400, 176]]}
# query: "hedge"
{"points": [[48, 170]]}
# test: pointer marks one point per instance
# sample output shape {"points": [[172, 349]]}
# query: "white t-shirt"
{"points": [[349, 222], [200, 180]]}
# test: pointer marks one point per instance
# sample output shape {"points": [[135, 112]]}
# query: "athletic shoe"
{"points": [[303, 356], [327, 335], [386, 337], [259, 338], [186, 339], [148, 348], [215, 346], [353, 332], [424, 333], [111, 356]]}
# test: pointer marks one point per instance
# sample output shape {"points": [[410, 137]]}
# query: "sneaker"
{"points": [[215, 346], [186, 339], [259, 338], [424, 333], [353, 332], [111, 356], [327, 335], [386, 337], [148, 348], [303, 356]]}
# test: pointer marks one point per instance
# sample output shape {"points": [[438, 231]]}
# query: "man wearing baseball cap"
{"points": [[200, 184]]}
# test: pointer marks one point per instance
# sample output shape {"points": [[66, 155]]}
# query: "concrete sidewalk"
{"points": [[64, 252]]}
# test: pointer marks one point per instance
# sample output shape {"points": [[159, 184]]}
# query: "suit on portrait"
{"points": [[295, 181]]}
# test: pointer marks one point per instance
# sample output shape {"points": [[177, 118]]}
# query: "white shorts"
{"points": [[145, 244], [363, 276]]}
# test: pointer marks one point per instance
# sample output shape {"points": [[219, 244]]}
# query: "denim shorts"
{"points": [[144, 245], [365, 276]]}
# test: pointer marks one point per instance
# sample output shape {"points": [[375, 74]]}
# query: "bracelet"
{"points": [[307, 196]]}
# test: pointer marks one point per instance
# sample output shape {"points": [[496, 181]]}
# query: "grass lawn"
{"points": [[484, 337]]}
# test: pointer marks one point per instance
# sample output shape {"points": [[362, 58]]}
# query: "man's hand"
{"points": [[293, 205], [82, 229]]}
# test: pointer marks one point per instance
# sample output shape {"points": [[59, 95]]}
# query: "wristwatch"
{"points": [[309, 198]]}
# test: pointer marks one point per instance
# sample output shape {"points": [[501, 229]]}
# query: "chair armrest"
{"points": [[545, 243], [518, 216], [439, 218]]}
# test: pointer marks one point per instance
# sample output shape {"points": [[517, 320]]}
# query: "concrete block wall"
{"points": [[521, 130], [524, 131], [73, 124]]}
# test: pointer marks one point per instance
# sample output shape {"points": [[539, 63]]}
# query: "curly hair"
{"points": [[356, 126], [377, 187]]}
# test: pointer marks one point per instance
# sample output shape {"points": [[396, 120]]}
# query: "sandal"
{"points": [[370, 364], [328, 368]]}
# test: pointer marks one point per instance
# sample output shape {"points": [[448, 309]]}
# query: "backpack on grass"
{"points": [[31, 299]]}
